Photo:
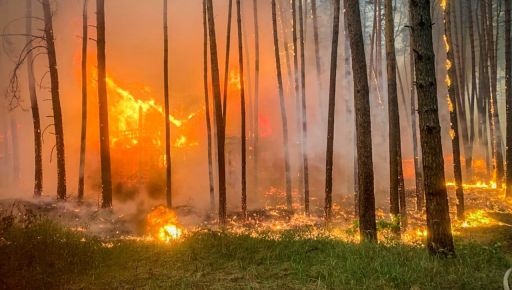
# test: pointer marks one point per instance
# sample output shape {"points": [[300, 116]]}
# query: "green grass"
{"points": [[45, 256]]}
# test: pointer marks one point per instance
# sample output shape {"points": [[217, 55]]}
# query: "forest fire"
{"points": [[162, 225]]}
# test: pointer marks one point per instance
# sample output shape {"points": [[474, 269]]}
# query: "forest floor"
{"points": [[52, 249]]}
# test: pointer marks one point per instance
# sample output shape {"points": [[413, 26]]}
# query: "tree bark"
{"points": [[219, 120], [106, 174], [439, 237], [284, 120], [83, 132], [367, 223], [168, 176], [331, 112], [508, 93], [396, 197], [256, 96], [452, 84], [36, 120], [242, 109], [57, 111], [226, 65], [318, 62], [207, 109]]}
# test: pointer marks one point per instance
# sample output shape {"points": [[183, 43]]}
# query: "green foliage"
{"points": [[43, 255]]}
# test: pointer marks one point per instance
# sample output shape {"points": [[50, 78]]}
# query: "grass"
{"points": [[45, 256]]}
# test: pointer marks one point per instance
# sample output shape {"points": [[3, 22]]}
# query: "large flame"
{"points": [[162, 225]]}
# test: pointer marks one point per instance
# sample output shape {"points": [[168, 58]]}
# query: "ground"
{"points": [[43, 253]]}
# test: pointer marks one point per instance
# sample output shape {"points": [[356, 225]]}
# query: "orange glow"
{"points": [[162, 225]]}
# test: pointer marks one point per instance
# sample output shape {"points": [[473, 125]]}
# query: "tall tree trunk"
{"points": [[226, 65], [508, 93], [106, 174], [439, 237], [256, 96], [396, 198], [83, 132], [474, 95], [318, 62], [284, 120], [15, 149], [242, 109], [452, 84], [331, 114], [57, 112], [219, 120], [418, 170], [207, 109], [367, 223], [297, 84], [304, 139], [36, 120], [168, 192]]}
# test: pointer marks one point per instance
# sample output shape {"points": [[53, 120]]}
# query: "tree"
{"points": [[256, 94], [304, 139], [242, 109], [57, 111], [83, 133], [452, 84], [330, 117], [219, 120], [397, 202], [367, 223], [284, 120], [318, 63], [207, 108], [36, 120], [508, 93], [168, 192], [106, 174], [439, 237], [226, 66]]}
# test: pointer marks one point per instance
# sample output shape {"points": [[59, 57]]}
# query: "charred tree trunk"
{"points": [[452, 84], [256, 96], [168, 192], [226, 65], [367, 223], [396, 198], [36, 120], [332, 104], [83, 132], [304, 139], [439, 237], [207, 109], [57, 111], [508, 92], [318, 62], [284, 120], [219, 120], [474, 94], [242, 109], [106, 174], [418, 170]]}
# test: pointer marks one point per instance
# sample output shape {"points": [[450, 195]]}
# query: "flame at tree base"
{"points": [[162, 225]]}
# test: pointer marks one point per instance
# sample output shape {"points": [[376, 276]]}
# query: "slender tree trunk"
{"points": [[57, 112], [508, 93], [36, 120], [332, 104], [15, 149], [83, 132], [367, 223], [418, 170], [452, 84], [284, 120], [297, 84], [256, 95], [106, 174], [219, 120], [304, 139], [318, 62], [242, 109], [397, 201], [474, 96], [439, 237], [207, 109], [226, 65], [168, 192]]}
